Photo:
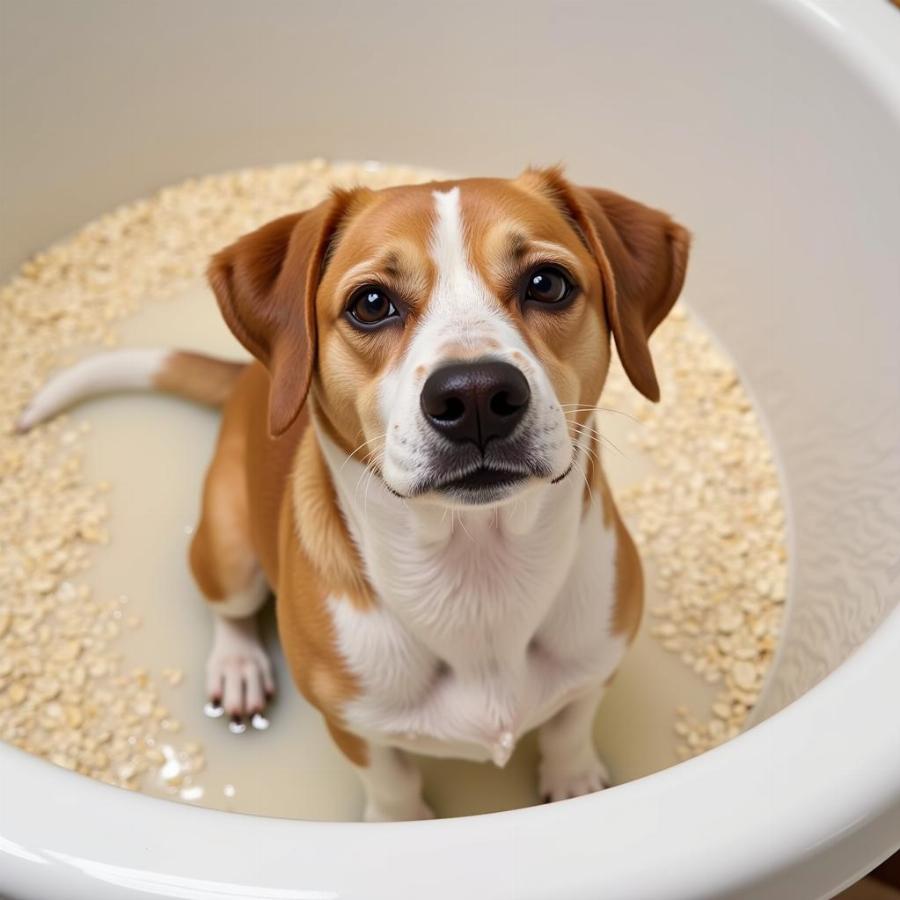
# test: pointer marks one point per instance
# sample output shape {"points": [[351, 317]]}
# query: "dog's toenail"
{"points": [[213, 709], [237, 725], [546, 799], [259, 721]]}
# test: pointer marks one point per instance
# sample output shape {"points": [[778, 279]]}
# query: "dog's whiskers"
{"points": [[462, 525], [592, 454], [363, 444], [575, 408], [589, 430], [583, 471], [368, 470]]}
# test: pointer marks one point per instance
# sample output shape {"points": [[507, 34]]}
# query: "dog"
{"points": [[411, 465]]}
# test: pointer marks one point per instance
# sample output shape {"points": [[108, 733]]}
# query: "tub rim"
{"points": [[700, 848], [840, 732]]}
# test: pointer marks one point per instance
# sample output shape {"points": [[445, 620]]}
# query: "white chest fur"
{"points": [[489, 621]]}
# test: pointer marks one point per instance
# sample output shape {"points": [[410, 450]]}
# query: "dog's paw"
{"points": [[239, 680], [375, 812], [561, 779]]}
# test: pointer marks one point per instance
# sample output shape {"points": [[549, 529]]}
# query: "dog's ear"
{"points": [[265, 284], [642, 255]]}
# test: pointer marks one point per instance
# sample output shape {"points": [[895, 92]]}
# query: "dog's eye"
{"points": [[370, 305], [548, 285]]}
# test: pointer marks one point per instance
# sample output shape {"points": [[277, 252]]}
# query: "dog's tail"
{"points": [[203, 379]]}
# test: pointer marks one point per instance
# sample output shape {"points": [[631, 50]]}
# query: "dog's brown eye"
{"points": [[548, 285], [371, 306]]}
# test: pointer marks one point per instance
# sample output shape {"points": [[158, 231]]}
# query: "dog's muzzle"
{"points": [[476, 407]]}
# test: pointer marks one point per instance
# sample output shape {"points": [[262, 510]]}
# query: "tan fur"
{"points": [[314, 569], [197, 377], [251, 507], [284, 289], [573, 345], [629, 574], [629, 605]]}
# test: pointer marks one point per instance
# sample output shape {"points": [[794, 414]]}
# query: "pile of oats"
{"points": [[65, 691], [710, 525]]}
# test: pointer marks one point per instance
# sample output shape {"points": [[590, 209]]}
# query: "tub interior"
{"points": [[734, 118], [153, 452]]}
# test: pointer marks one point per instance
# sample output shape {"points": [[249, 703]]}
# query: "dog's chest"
{"points": [[481, 635]]}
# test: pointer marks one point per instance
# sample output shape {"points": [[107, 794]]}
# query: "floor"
{"points": [[870, 889]]}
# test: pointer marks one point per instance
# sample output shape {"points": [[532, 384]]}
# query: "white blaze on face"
{"points": [[461, 310], [462, 320]]}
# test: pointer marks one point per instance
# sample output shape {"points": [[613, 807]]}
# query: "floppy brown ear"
{"points": [[265, 284], [642, 254]]}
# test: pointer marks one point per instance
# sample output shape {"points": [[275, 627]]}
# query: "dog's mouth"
{"points": [[472, 478], [481, 479], [480, 483]]}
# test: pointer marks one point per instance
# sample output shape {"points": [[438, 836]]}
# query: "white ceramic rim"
{"points": [[826, 770]]}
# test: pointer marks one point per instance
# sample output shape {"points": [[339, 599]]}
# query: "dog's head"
{"points": [[454, 335]]}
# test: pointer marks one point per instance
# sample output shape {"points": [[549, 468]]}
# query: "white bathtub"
{"points": [[773, 130]]}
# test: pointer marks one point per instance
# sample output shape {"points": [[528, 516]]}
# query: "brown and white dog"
{"points": [[411, 465]]}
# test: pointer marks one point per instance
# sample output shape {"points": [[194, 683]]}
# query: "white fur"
{"points": [[393, 786], [484, 630], [116, 370], [238, 670], [569, 765], [491, 620], [245, 602], [460, 319]]}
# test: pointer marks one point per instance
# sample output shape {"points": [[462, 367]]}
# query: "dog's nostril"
{"points": [[503, 405], [454, 408]]}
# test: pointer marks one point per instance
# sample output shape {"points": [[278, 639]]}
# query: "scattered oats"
{"points": [[143, 704], [173, 676], [17, 693], [722, 710], [711, 524], [68, 651], [730, 619], [65, 694], [191, 793], [155, 756], [173, 768], [744, 674]]}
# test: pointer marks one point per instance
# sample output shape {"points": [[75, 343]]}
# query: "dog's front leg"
{"points": [[569, 764], [393, 786], [238, 671]]}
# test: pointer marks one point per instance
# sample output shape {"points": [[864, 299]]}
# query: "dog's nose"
{"points": [[475, 402]]}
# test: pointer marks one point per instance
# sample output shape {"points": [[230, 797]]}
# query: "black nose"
{"points": [[474, 402]]}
